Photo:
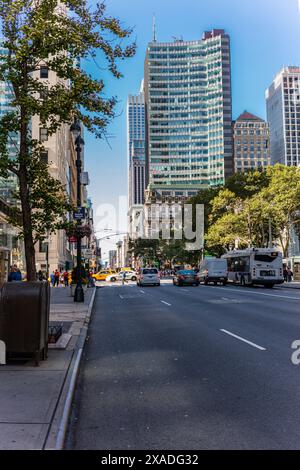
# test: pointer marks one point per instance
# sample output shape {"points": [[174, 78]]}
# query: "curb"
{"points": [[59, 425], [289, 287]]}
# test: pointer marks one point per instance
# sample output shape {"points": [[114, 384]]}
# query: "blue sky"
{"points": [[265, 35]]}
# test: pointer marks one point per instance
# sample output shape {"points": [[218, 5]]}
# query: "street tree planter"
{"points": [[24, 319]]}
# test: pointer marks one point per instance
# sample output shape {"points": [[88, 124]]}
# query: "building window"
{"points": [[44, 156], [44, 72], [43, 94], [43, 247], [43, 134]]}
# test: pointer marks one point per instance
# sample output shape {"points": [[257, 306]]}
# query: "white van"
{"points": [[213, 270], [148, 276]]}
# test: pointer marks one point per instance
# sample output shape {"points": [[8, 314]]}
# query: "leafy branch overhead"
{"points": [[241, 213], [53, 36], [43, 34]]}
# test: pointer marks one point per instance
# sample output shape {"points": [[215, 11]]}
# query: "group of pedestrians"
{"points": [[287, 274], [14, 274], [55, 277], [167, 273]]}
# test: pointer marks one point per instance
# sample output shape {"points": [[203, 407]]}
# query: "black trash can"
{"points": [[24, 318]]}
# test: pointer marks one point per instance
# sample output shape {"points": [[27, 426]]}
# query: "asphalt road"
{"points": [[189, 368]]}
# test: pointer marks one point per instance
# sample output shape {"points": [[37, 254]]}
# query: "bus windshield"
{"points": [[266, 258]]}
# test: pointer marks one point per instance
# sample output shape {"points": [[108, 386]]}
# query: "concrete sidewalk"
{"points": [[291, 285], [33, 399]]}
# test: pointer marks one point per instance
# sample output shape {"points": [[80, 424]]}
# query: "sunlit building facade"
{"points": [[283, 111], [136, 150], [251, 137], [188, 113]]}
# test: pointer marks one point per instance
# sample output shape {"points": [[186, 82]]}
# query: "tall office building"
{"points": [[56, 154], [251, 138], [283, 111], [188, 113], [136, 148]]}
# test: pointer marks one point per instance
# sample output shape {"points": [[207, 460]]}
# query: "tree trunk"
{"points": [[27, 225], [25, 201]]}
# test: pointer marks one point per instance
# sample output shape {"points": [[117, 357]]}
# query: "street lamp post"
{"points": [[270, 234], [79, 142]]}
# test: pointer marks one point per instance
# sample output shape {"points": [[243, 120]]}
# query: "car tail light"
{"points": [[181, 277]]}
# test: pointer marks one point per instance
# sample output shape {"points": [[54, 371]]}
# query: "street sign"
{"points": [[79, 214], [73, 239]]}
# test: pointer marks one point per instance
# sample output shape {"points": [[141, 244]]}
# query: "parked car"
{"points": [[186, 277], [213, 270], [129, 276], [148, 276]]}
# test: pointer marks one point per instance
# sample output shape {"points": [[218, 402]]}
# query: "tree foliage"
{"points": [[242, 213], [56, 34]]}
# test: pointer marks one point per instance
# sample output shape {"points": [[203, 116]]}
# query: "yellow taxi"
{"points": [[102, 275]]}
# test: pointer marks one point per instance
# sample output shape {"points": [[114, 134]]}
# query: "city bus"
{"points": [[255, 266]]}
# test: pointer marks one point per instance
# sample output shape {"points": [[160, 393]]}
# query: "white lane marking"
{"points": [[143, 292], [166, 303], [121, 296], [244, 340], [184, 290], [237, 290]]}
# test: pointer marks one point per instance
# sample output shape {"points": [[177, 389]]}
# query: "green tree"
{"points": [[243, 217], [175, 252], [55, 34], [245, 185], [283, 203], [146, 249], [205, 197]]}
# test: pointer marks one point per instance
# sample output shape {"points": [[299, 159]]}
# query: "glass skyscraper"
{"points": [[136, 148], [8, 185], [189, 112]]}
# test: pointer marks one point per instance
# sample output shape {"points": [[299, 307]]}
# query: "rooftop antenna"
{"points": [[154, 28]]}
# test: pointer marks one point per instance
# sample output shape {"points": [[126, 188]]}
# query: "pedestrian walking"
{"points": [[66, 278], [40, 276], [123, 278], [285, 274], [10, 274], [289, 275], [52, 278], [91, 282], [56, 278], [15, 274]]}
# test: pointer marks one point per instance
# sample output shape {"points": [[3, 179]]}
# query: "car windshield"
{"points": [[186, 272], [150, 271]]}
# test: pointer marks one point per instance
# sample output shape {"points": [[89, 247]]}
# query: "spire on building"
{"points": [[154, 28]]}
